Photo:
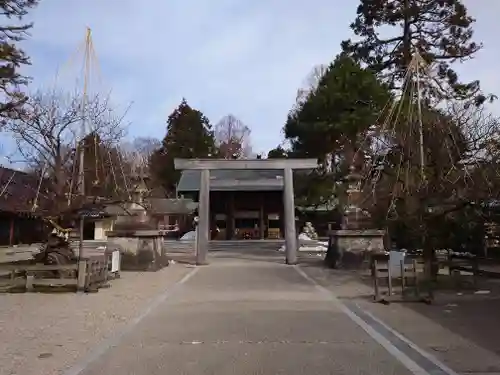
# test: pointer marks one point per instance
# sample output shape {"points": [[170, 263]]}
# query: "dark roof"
{"points": [[18, 191], [233, 180], [164, 206], [158, 206]]}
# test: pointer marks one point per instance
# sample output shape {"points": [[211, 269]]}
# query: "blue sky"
{"points": [[242, 57]]}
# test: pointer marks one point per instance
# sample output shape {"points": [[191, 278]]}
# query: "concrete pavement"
{"points": [[250, 314]]}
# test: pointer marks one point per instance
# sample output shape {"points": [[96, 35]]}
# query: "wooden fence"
{"points": [[93, 271], [407, 280], [407, 275]]}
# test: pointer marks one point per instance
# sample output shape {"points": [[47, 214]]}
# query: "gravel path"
{"points": [[44, 334]]}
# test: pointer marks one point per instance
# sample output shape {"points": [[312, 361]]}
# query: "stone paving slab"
{"points": [[248, 358], [228, 320]]}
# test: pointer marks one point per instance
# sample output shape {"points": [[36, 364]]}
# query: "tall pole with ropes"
{"points": [[82, 264], [83, 129]]}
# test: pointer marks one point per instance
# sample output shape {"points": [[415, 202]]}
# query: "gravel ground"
{"points": [[45, 334]]}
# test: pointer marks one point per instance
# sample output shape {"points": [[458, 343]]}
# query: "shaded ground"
{"points": [[475, 317], [460, 328]]}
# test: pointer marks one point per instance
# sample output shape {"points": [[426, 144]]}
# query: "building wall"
{"points": [[230, 207], [16, 229], [101, 227]]}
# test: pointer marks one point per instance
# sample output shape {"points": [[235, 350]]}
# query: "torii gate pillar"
{"points": [[205, 165]]}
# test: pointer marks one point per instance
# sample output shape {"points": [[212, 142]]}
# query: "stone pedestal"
{"points": [[144, 250], [350, 248]]}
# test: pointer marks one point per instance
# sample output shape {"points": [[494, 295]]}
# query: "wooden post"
{"points": [[11, 232], [475, 271], [402, 268], [204, 218], [230, 219], [416, 278], [289, 208], [375, 280], [389, 278], [261, 217], [82, 264]]}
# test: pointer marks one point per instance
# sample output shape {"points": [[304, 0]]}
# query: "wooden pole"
{"points": [[204, 219], [289, 208], [11, 232], [82, 264]]}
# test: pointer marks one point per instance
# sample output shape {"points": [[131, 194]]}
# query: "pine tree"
{"points": [[346, 102], [189, 135], [440, 30], [329, 123], [11, 56]]}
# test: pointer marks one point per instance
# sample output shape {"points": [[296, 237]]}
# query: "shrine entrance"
{"points": [[243, 199]]}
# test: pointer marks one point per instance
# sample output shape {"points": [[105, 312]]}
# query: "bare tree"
{"points": [[232, 138], [481, 129], [146, 145], [310, 83], [50, 128], [137, 154]]}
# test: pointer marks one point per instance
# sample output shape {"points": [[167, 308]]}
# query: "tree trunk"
{"points": [[406, 34]]}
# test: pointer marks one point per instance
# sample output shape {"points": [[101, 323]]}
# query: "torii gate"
{"points": [[205, 165]]}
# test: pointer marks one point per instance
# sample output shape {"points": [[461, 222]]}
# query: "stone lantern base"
{"points": [[144, 250], [350, 248]]}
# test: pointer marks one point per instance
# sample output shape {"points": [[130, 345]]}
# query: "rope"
{"points": [[113, 171], [123, 175], [7, 184], [96, 159], [73, 171], [35, 205]]}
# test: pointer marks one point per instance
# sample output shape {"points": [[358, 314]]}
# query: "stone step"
{"points": [[174, 246], [186, 246], [272, 245]]}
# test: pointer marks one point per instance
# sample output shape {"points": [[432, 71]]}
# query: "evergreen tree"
{"points": [[440, 30], [189, 135], [332, 120], [11, 56], [277, 153], [346, 102]]}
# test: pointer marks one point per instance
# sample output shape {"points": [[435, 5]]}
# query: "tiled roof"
{"points": [[233, 180], [158, 206]]}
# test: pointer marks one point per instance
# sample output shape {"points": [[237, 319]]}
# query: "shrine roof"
{"points": [[233, 180]]}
